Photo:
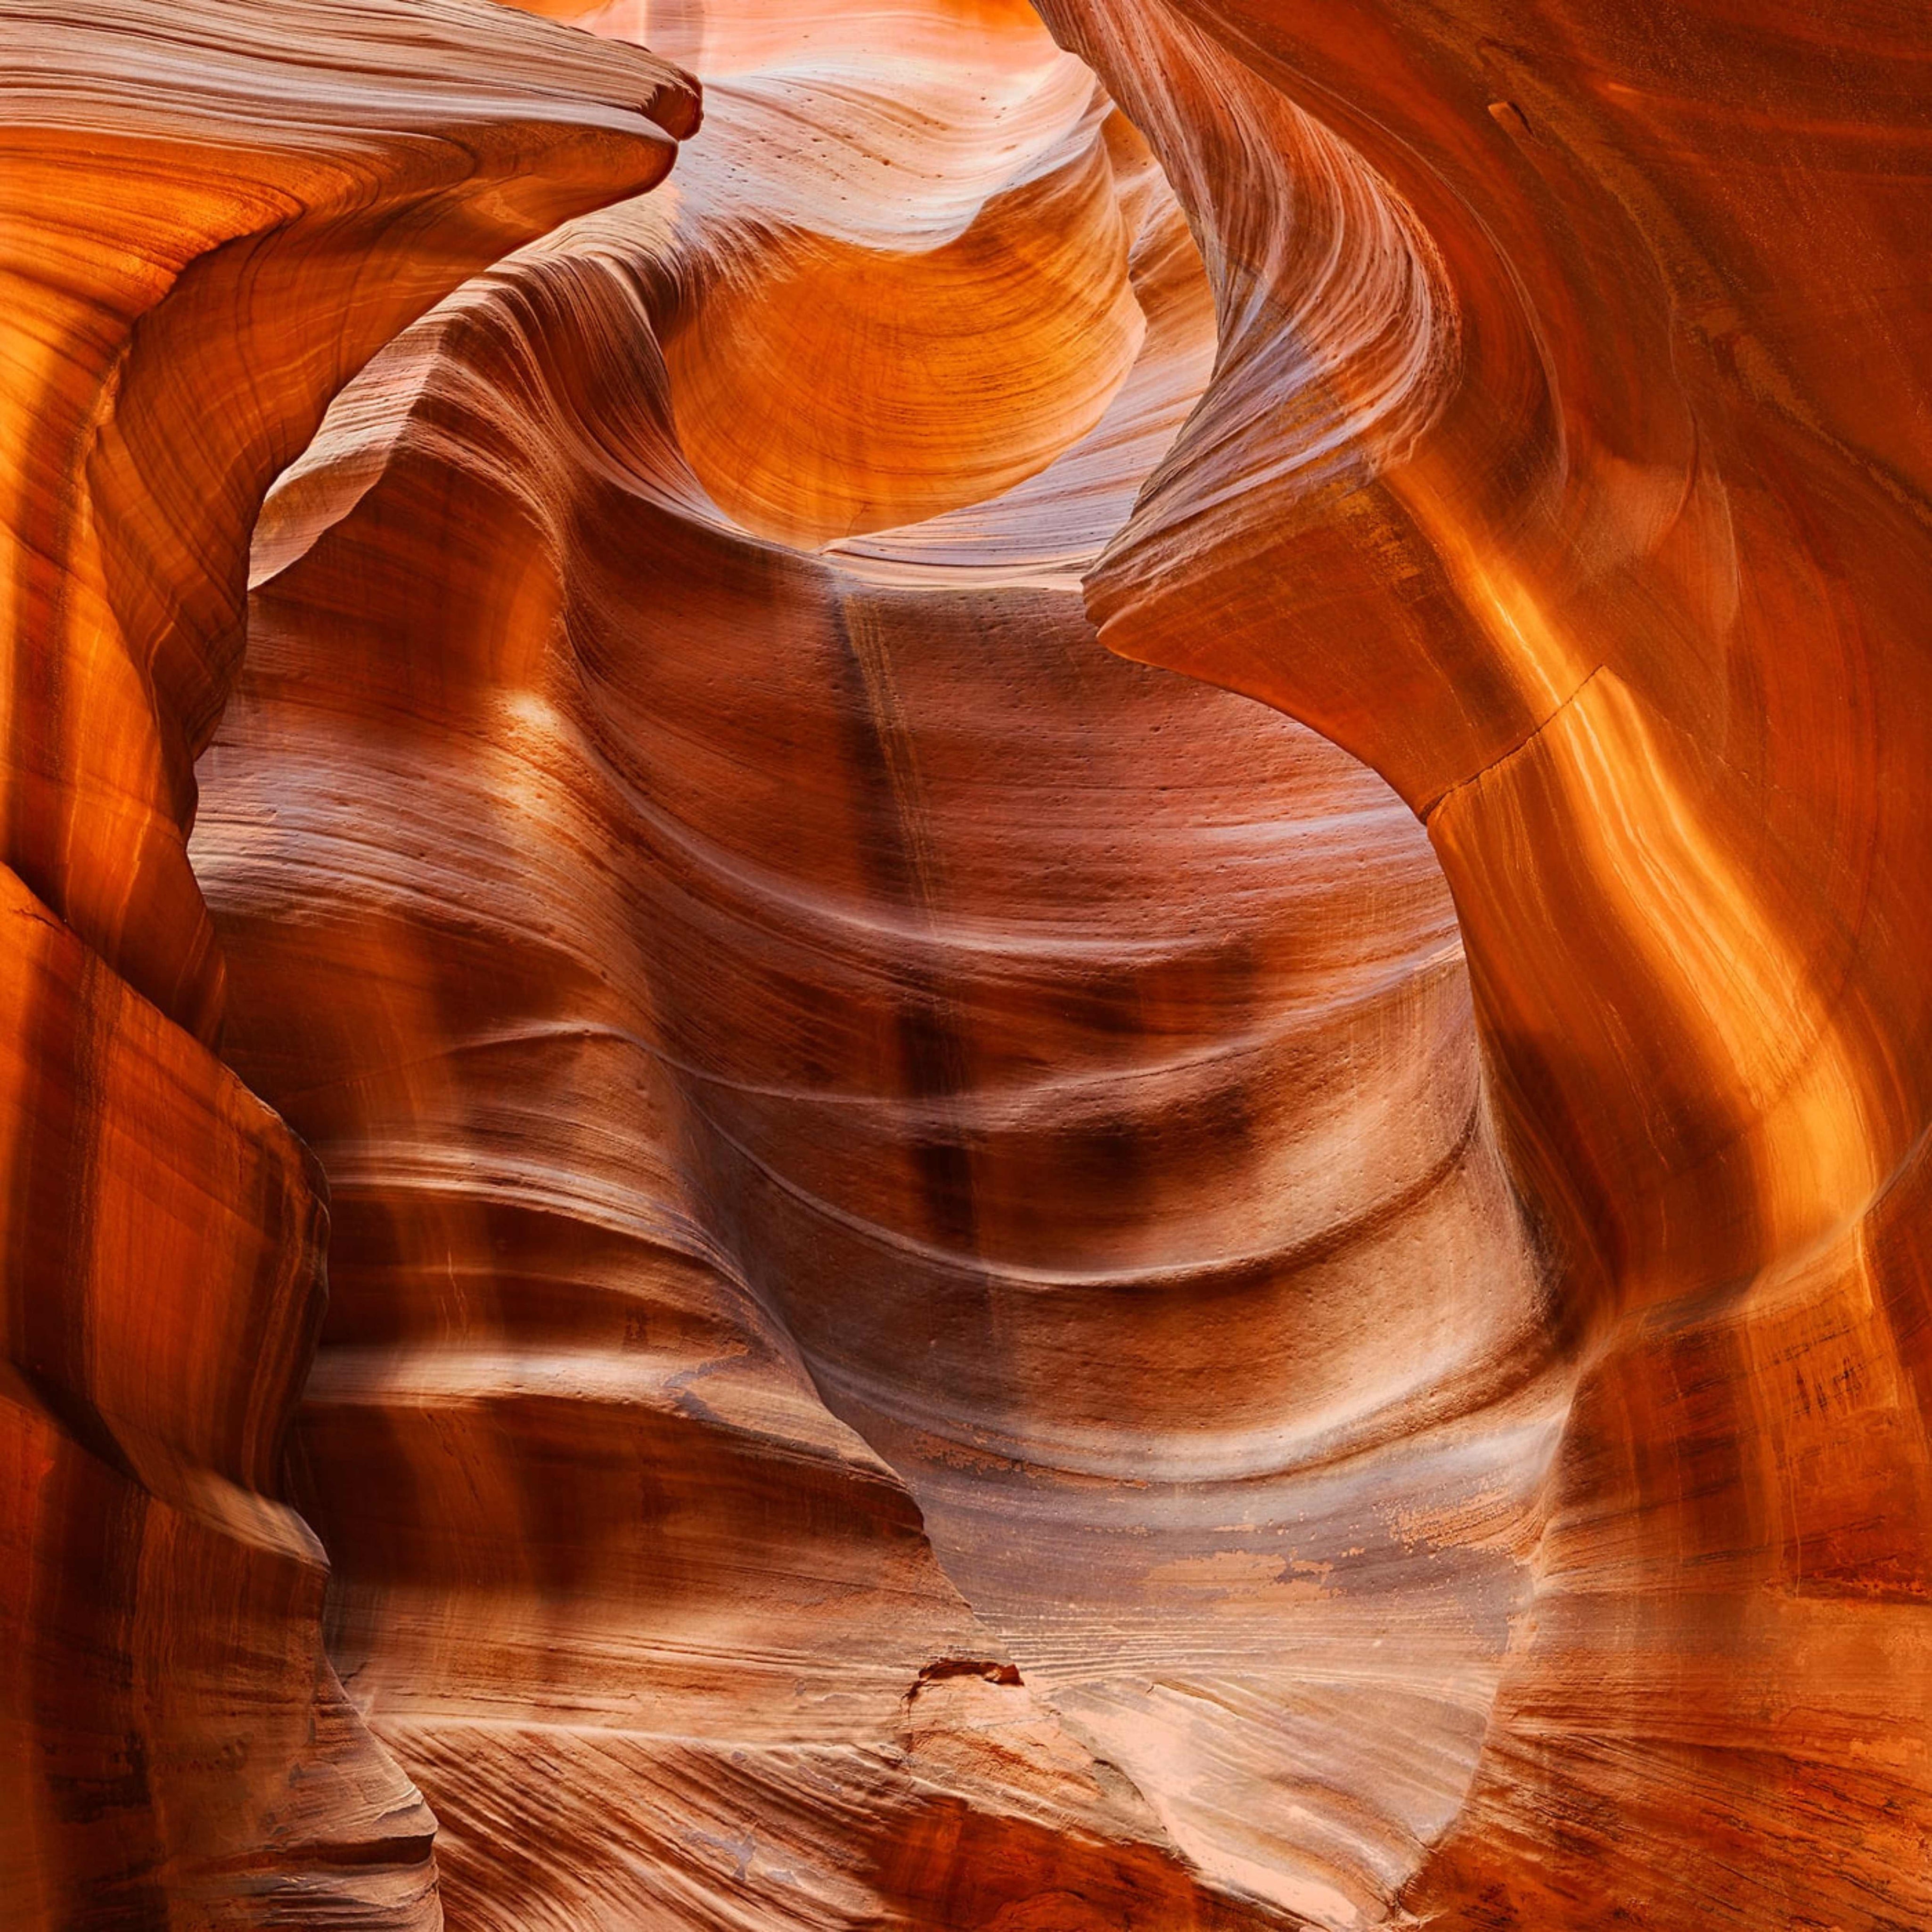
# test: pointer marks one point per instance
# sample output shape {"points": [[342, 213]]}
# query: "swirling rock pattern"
{"points": [[203, 239], [952, 1304], [1597, 525], [848, 1017]]}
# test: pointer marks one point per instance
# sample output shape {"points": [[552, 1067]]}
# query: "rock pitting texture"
{"points": [[949, 1307]]}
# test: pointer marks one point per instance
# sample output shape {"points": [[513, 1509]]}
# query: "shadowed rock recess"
{"points": [[1009, 1016]]}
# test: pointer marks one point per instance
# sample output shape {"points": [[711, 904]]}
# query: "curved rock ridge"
{"points": [[1604, 537], [975, 1284], [951, 232], [927, 1326], [204, 235]]}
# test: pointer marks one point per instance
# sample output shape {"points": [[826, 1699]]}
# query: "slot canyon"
{"points": [[962, 972]]}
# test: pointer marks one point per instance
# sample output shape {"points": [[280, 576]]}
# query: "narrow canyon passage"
{"points": [[966, 966], [765, 1007]]}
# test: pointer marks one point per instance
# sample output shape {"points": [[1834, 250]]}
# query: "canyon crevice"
{"points": [[986, 997]]}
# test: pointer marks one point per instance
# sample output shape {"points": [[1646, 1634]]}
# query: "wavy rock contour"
{"points": [[1546, 468], [203, 239], [972, 1284]]}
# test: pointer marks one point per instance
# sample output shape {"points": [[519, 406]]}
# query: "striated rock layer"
{"points": [[951, 1305], [1595, 519], [867, 1137], [202, 239]]}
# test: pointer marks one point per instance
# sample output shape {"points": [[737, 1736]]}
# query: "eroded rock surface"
{"points": [[973, 1281], [203, 237]]}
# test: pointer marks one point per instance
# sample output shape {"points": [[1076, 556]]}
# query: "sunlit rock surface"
{"points": [[201, 237], [1567, 461], [949, 1303]]}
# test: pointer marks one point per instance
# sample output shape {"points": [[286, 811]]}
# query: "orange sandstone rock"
{"points": [[865, 1132], [1599, 526], [973, 1283], [207, 229]]}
